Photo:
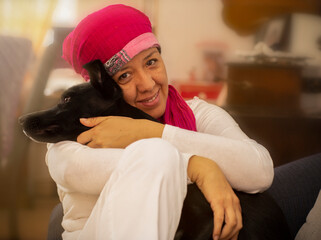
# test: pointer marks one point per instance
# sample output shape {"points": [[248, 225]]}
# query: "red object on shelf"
{"points": [[204, 91]]}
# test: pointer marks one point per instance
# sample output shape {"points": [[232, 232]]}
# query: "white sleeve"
{"points": [[246, 164], [78, 168]]}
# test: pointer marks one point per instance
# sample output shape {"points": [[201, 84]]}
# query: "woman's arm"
{"points": [[246, 164], [78, 168], [117, 132]]}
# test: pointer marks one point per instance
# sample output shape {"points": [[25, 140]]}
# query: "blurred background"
{"points": [[259, 60]]}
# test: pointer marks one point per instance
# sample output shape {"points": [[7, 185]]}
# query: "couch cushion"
{"points": [[311, 228]]}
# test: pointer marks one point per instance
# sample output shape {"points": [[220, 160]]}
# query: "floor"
{"points": [[32, 221], [33, 211]]}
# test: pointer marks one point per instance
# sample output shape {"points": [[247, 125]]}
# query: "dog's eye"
{"points": [[67, 99]]}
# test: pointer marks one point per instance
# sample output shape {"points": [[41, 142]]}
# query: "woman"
{"points": [[127, 178]]}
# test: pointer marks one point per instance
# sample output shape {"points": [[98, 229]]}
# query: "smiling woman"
{"points": [[127, 178]]}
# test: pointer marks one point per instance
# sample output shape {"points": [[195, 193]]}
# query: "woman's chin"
{"points": [[157, 112]]}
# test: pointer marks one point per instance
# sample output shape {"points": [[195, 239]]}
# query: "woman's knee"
{"points": [[155, 155]]}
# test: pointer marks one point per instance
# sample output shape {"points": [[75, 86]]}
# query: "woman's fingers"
{"points": [[91, 122], [227, 216], [229, 228], [239, 220], [218, 222], [235, 236], [103, 133], [85, 137], [232, 220]]}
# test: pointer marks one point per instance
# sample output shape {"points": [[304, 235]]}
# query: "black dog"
{"points": [[103, 97]]}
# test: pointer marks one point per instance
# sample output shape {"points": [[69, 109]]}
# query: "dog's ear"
{"points": [[100, 79]]}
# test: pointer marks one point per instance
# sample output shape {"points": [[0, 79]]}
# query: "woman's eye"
{"points": [[124, 78], [151, 62]]}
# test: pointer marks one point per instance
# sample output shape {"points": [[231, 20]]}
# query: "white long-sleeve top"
{"points": [[81, 172]]}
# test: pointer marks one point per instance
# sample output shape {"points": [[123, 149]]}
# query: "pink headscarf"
{"points": [[114, 35]]}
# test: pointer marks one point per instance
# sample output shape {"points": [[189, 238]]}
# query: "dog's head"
{"points": [[97, 98]]}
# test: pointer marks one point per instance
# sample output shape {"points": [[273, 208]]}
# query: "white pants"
{"points": [[144, 196]]}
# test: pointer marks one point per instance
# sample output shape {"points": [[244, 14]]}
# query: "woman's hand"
{"points": [[117, 132], [218, 192]]}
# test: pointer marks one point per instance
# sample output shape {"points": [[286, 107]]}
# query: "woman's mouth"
{"points": [[150, 102]]}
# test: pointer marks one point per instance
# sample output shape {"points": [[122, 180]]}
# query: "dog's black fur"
{"points": [[103, 97]]}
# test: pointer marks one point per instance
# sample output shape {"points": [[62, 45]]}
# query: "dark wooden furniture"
{"points": [[247, 16], [264, 98], [264, 86]]}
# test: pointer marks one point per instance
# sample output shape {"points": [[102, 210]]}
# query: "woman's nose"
{"points": [[145, 81]]}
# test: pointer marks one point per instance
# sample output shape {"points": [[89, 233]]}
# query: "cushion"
{"points": [[311, 229]]}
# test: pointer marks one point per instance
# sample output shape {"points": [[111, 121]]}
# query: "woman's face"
{"points": [[144, 82]]}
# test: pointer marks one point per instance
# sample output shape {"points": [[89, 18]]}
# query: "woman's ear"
{"points": [[100, 79]]}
